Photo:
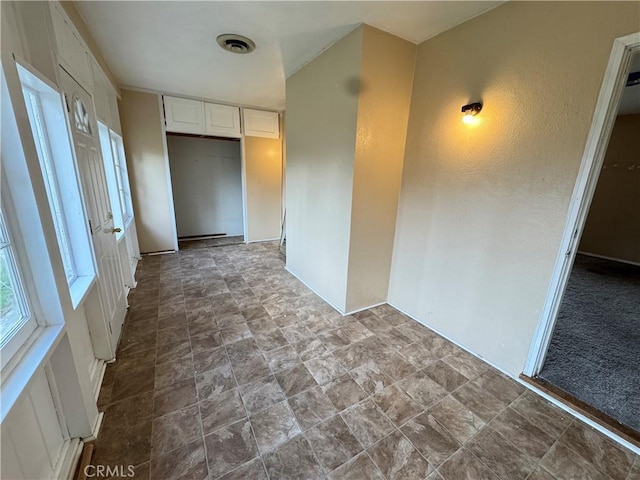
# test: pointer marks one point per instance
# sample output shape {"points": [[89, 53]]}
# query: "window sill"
{"points": [[80, 288], [44, 341]]}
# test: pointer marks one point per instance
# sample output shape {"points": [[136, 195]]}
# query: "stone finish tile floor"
{"points": [[230, 368]]}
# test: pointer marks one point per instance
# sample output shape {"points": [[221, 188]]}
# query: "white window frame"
{"points": [[112, 179], [52, 138], [52, 182], [20, 332], [122, 177]]}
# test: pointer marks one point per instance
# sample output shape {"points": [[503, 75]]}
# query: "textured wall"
{"points": [[263, 164], [613, 225], [322, 109], [383, 113], [144, 147], [483, 207]]}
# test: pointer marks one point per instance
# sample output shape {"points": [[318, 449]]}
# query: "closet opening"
{"points": [[206, 180]]}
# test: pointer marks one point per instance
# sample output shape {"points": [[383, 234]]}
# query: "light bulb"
{"points": [[469, 119]]}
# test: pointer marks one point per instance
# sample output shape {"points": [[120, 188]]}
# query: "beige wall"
{"points": [[145, 150], [347, 115], [263, 168], [613, 225], [383, 112], [322, 109], [482, 208]]}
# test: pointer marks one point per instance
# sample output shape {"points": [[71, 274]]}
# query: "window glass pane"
{"points": [[123, 179], [110, 172], [13, 307], [51, 183], [81, 116]]}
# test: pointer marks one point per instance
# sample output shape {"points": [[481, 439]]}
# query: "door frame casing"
{"points": [[172, 209], [597, 142]]}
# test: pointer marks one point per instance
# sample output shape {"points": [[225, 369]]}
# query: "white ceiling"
{"points": [[170, 46], [630, 102]]}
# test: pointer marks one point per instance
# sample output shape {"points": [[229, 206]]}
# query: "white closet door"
{"points": [[183, 115], [258, 123], [222, 120]]}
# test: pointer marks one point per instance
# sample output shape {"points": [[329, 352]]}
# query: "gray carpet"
{"points": [[595, 350]]}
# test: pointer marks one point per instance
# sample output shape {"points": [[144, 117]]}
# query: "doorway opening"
{"points": [[586, 350], [206, 179]]}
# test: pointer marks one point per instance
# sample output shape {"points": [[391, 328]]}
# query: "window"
{"points": [[51, 138], [117, 177], [112, 182], [16, 320], [122, 177], [81, 117], [53, 191]]}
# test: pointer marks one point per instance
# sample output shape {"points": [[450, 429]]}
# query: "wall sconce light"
{"points": [[470, 111]]}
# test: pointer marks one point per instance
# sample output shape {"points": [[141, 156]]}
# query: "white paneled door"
{"points": [[88, 153]]}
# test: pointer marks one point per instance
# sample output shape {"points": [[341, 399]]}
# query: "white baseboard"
{"points": [[456, 343], [98, 376], [69, 457], [263, 240], [340, 311], [366, 308], [96, 429], [613, 259], [555, 402]]}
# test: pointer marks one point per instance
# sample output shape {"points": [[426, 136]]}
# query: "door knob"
{"points": [[116, 230]]}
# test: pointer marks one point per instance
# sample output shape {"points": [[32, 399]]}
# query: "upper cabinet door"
{"points": [[184, 116], [100, 94], [258, 123], [222, 120], [72, 54]]}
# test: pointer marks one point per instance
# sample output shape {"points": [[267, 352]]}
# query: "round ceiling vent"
{"points": [[236, 43]]}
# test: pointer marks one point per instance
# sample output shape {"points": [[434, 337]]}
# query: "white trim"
{"points": [[101, 368], [96, 429], [80, 288], [163, 252], [68, 459], [613, 259], [57, 402], [36, 73], [340, 311], [581, 417], [172, 210], [243, 174], [261, 240], [455, 342], [544, 395], [96, 373], [16, 383], [201, 99], [366, 308], [603, 119]]}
